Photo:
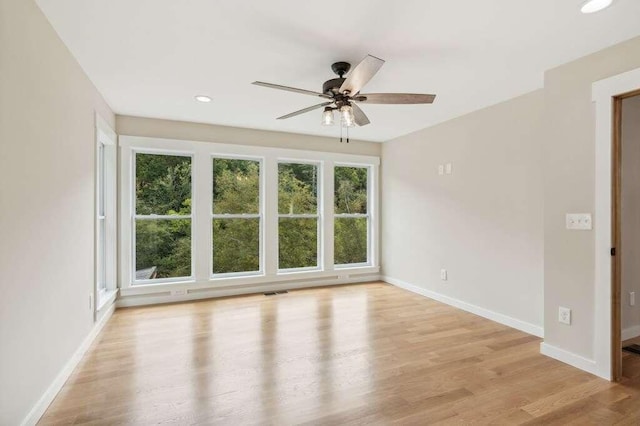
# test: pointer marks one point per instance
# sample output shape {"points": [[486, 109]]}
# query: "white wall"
{"points": [[569, 186], [47, 195], [169, 129], [630, 215], [483, 223]]}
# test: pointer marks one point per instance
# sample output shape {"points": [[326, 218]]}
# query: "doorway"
{"points": [[626, 237]]}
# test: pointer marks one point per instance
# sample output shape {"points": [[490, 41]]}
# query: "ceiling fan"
{"points": [[342, 94]]}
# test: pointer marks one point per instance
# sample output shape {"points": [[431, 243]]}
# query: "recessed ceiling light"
{"points": [[203, 98], [592, 6]]}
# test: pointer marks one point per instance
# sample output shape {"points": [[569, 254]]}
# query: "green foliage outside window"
{"points": [[163, 187], [350, 233], [236, 190], [298, 236]]}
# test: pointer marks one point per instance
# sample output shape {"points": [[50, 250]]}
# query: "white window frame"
{"points": [[106, 220], [259, 215], [136, 217], [318, 216], [202, 201], [368, 215]]}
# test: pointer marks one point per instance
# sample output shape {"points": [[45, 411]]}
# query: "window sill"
{"points": [[105, 299], [241, 283]]}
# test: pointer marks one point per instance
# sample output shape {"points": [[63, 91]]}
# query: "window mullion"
{"points": [[203, 200], [162, 217], [271, 219], [236, 216], [328, 201]]}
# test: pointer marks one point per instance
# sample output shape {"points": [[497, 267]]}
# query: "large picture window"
{"points": [[162, 217], [298, 216], [236, 216], [205, 218], [351, 215]]}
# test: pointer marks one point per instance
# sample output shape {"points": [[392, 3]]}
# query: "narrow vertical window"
{"points": [[351, 215], [101, 245], [298, 226], [162, 218], [236, 216]]}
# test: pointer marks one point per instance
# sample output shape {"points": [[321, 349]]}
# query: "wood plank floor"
{"points": [[631, 361], [360, 354]]}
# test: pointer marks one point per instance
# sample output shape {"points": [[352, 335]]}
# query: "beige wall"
{"points": [[631, 213], [483, 223], [569, 187], [137, 126], [46, 205]]}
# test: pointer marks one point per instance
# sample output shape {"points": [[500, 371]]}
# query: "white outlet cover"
{"points": [[579, 221], [564, 315], [441, 169], [443, 274]]}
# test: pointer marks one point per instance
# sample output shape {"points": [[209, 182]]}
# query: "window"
{"points": [[101, 219], [162, 218], [106, 215], [351, 215], [236, 216], [206, 218], [298, 216]]}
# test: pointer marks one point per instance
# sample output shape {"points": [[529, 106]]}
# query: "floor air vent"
{"points": [[273, 293], [634, 349]]}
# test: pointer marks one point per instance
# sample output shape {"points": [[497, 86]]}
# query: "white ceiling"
{"points": [[150, 57]]}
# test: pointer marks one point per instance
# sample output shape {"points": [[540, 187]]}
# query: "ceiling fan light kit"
{"points": [[327, 117], [343, 94], [347, 117]]}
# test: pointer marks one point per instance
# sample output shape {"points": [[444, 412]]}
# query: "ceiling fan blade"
{"points": [[361, 74], [302, 111], [359, 116], [395, 98], [291, 89]]}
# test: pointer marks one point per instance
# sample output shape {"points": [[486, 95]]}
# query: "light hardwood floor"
{"points": [[360, 354], [630, 361]]}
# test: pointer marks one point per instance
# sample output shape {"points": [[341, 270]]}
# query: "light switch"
{"points": [[579, 221], [448, 168]]}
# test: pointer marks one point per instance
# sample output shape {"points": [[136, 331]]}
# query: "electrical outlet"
{"points": [[632, 298], [343, 277], [179, 292], [564, 315], [441, 169], [443, 274]]}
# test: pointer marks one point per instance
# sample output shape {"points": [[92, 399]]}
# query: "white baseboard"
{"points": [[47, 398], [211, 293], [572, 359], [631, 332], [483, 312]]}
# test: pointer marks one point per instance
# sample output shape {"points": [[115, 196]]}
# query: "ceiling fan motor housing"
{"points": [[332, 86]]}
